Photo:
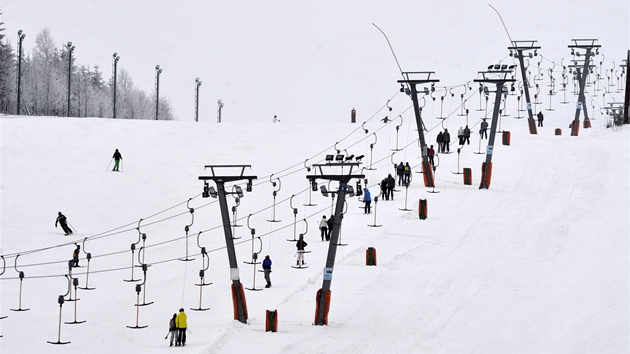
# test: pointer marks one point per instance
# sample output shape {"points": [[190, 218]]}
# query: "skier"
{"points": [[266, 264], [390, 182], [330, 223], [466, 136], [172, 328], [180, 323], [400, 169], [407, 174], [431, 154], [540, 118], [446, 140], [367, 199], [61, 219], [460, 135], [301, 244], [384, 189], [440, 140], [323, 227], [117, 157], [75, 256], [483, 131]]}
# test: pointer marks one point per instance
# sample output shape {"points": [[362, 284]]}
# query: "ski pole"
{"points": [[169, 332], [74, 228], [110, 163]]}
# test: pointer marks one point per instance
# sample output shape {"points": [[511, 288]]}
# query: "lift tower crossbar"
{"points": [[586, 45], [516, 50], [323, 295], [497, 74], [240, 305], [412, 79]]}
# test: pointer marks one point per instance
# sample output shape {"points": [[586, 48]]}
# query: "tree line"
{"points": [[44, 85]]}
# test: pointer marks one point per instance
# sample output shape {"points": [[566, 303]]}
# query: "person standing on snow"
{"points": [[540, 118], [323, 227], [330, 223], [407, 174], [466, 136], [266, 264], [180, 323], [431, 154], [460, 135], [446, 137], [61, 220], [367, 199], [400, 169], [390, 182], [117, 157], [440, 140], [483, 131], [301, 244], [172, 328]]}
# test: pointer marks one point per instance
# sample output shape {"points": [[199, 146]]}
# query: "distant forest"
{"points": [[44, 85]]}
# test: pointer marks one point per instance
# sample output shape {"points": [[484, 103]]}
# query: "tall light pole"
{"points": [[198, 83], [158, 71], [19, 74], [70, 50], [115, 59]]}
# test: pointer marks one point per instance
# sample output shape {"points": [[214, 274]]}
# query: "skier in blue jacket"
{"points": [[367, 198], [267, 269]]}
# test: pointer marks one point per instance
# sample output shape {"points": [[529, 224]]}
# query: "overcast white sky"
{"points": [[293, 59]]}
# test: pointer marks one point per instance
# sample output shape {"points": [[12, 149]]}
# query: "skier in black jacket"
{"points": [[301, 244], [117, 157], [390, 182], [61, 220]]}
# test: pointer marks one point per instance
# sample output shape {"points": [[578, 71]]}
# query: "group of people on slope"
{"points": [[404, 173], [325, 227], [177, 327]]}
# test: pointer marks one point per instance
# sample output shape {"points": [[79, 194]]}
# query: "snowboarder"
{"points": [[75, 256], [330, 223], [367, 199], [431, 154], [300, 245], [466, 136], [540, 118], [483, 131], [180, 323], [323, 227], [117, 157], [446, 137], [172, 328], [460, 135], [390, 183], [61, 220], [440, 141], [266, 264]]}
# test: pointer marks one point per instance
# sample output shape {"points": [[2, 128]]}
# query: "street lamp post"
{"points": [[158, 71], [70, 50], [19, 75], [198, 83], [115, 59]]}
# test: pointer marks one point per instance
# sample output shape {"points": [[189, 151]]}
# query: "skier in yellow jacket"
{"points": [[180, 323]]}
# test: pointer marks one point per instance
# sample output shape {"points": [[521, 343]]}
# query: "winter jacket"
{"points": [[484, 126], [60, 219], [446, 137], [431, 152], [180, 321], [460, 132], [367, 196], [330, 222], [266, 263], [323, 223], [390, 182], [117, 155], [301, 244], [466, 132], [400, 168], [440, 137]]}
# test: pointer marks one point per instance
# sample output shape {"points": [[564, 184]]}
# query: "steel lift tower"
{"points": [[412, 79], [582, 47], [516, 51]]}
